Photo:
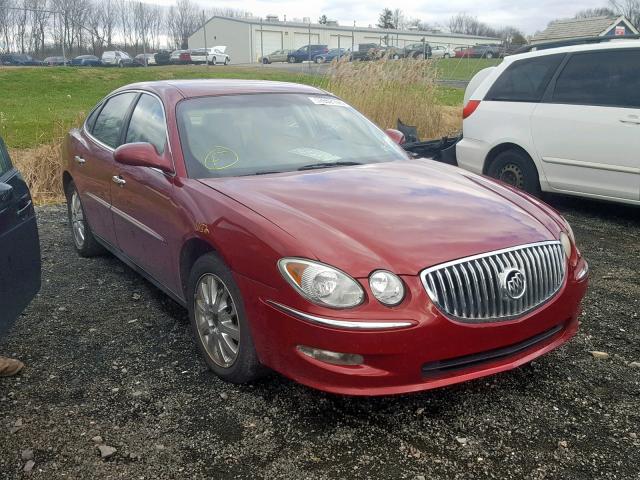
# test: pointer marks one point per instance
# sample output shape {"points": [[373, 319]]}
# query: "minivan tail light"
{"points": [[469, 108]]}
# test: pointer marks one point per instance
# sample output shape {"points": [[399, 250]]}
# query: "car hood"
{"points": [[403, 216]]}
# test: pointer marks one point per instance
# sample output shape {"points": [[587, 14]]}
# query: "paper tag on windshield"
{"points": [[315, 154], [334, 102]]}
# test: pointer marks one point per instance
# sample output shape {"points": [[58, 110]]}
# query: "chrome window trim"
{"points": [[342, 324], [111, 149], [499, 314]]}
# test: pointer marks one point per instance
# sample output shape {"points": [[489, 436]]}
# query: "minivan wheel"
{"points": [[219, 322], [516, 169], [83, 240]]}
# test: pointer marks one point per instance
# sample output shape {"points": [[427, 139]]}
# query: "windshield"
{"points": [[269, 133]]}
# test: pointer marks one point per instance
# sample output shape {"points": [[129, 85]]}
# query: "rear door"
{"points": [[95, 167], [587, 129], [19, 244]]}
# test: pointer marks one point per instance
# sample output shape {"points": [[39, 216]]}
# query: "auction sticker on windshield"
{"points": [[328, 101]]}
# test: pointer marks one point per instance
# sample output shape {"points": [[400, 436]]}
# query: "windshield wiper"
{"points": [[313, 166]]}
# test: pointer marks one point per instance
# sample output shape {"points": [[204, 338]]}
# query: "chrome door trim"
{"points": [[138, 224]]}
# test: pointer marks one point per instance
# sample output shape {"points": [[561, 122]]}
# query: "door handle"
{"points": [[118, 180], [79, 160], [24, 208], [633, 120]]}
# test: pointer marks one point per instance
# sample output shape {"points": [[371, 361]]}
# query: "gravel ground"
{"points": [[109, 356]]}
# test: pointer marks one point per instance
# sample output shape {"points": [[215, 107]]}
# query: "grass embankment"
{"points": [[39, 105]]}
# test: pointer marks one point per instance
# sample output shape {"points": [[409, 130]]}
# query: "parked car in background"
{"points": [[563, 120], [308, 52], [277, 56], [86, 61], [390, 52], [369, 273], [486, 51], [19, 60], [20, 266], [163, 57], [333, 54], [116, 58], [145, 59], [363, 52], [441, 51], [56, 61], [418, 51], [462, 52], [180, 57], [210, 56]]}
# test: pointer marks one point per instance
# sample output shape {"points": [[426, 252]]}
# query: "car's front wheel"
{"points": [[83, 239], [219, 322], [516, 169], [319, 59], [291, 59]]}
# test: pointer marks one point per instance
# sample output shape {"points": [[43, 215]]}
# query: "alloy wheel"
{"points": [[513, 175], [217, 320], [77, 220]]}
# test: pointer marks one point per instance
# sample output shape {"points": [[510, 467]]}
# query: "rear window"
{"points": [[609, 78], [525, 80]]}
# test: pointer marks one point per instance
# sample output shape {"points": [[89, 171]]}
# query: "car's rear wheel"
{"points": [[515, 168], [83, 239], [446, 55], [396, 56], [489, 55], [265, 61], [226, 61], [319, 60], [219, 322]]}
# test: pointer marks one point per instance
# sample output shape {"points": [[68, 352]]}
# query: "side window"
{"points": [[610, 78], [525, 80], [148, 124], [110, 121], [92, 117]]}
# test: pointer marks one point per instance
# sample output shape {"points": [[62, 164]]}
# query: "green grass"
{"points": [[39, 103], [463, 68]]}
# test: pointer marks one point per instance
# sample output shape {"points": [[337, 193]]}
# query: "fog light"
{"points": [[333, 358]]}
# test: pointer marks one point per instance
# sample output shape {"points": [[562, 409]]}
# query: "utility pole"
{"points": [[261, 44], [204, 33], [144, 40]]}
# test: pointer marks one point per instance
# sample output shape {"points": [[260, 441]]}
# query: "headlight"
{"points": [[566, 244], [386, 287], [321, 284]]}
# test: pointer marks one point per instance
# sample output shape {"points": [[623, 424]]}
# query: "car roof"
{"points": [[214, 87], [588, 47]]}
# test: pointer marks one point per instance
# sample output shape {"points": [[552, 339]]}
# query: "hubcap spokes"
{"points": [[77, 220], [217, 320]]}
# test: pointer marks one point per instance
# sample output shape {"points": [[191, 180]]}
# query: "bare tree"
{"points": [[182, 21], [595, 12], [628, 8]]}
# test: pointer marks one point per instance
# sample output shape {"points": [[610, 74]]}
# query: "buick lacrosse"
{"points": [[302, 239]]}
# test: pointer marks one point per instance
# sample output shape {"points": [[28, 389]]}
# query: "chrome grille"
{"points": [[474, 289]]}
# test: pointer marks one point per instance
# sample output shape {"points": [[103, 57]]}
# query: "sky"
{"points": [[528, 15]]}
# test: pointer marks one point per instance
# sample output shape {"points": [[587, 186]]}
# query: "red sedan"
{"points": [[302, 239]]}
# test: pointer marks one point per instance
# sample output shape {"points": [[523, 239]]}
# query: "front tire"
{"points": [[489, 55], [219, 322], [515, 168], [83, 240], [291, 59]]}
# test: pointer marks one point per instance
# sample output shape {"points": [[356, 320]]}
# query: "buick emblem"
{"points": [[513, 283]]}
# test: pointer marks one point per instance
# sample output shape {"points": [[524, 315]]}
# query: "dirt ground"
{"points": [[110, 356]]}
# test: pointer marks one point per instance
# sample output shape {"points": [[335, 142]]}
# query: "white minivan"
{"points": [[116, 58], [564, 120]]}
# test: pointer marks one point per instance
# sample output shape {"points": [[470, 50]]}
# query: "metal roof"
{"points": [[380, 31], [580, 27]]}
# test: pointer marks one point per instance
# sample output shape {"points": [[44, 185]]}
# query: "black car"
{"points": [[486, 51], [86, 61], [19, 244], [419, 51], [19, 60], [56, 61], [163, 57]]}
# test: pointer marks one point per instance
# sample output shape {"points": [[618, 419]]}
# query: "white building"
{"points": [[248, 39]]}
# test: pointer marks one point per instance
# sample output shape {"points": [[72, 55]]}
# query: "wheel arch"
{"points": [[191, 251], [66, 181], [504, 147]]}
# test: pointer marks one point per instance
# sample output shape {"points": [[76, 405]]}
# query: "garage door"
{"points": [[302, 39], [345, 41], [271, 41]]}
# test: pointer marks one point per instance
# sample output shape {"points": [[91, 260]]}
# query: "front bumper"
{"points": [[434, 352]]}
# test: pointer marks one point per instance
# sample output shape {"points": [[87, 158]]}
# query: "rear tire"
{"points": [[219, 322], [515, 168], [83, 240], [489, 55]]}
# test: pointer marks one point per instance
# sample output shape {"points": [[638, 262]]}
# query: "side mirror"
{"points": [[6, 194], [396, 135], [142, 154]]}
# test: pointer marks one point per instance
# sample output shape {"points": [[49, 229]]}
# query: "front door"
{"points": [[19, 244], [144, 215], [587, 129]]}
